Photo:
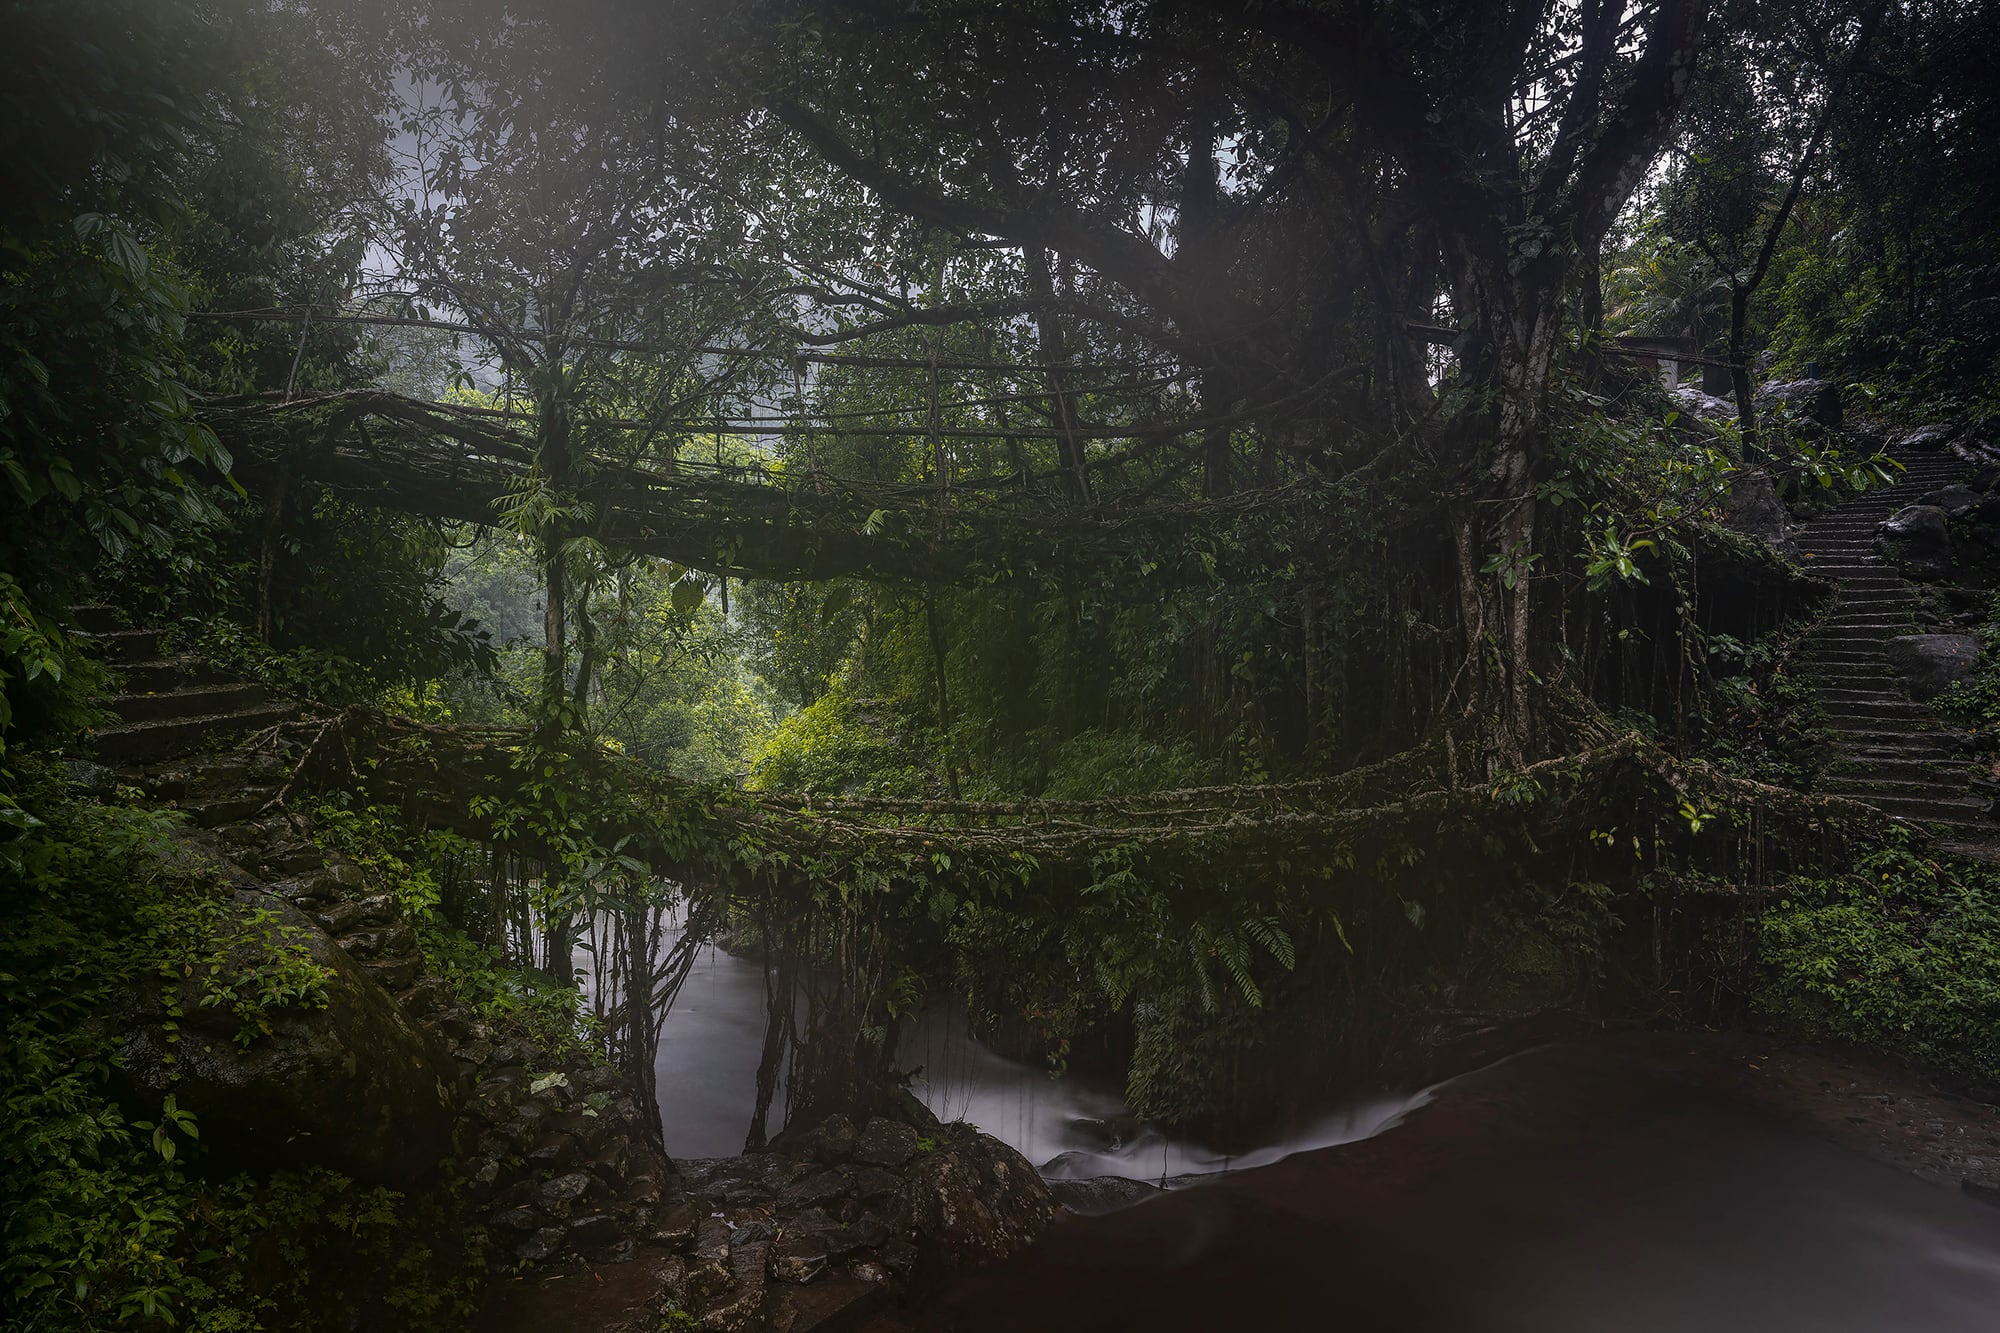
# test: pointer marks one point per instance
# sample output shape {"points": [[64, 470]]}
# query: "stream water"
{"points": [[1577, 1187], [1073, 1127]]}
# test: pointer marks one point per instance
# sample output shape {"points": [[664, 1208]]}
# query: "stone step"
{"points": [[1859, 582], [1846, 713], [1851, 643], [1851, 694], [125, 645], [1966, 809], [1861, 788], [1856, 598], [1893, 775], [216, 811], [1869, 748], [169, 673], [95, 618], [137, 741], [194, 701], [1987, 852], [1852, 718]]}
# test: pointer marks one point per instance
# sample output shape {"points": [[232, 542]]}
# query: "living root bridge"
{"points": [[1195, 846], [856, 900], [467, 464]]}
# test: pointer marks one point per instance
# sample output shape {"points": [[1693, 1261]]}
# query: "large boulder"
{"points": [[1918, 537], [1930, 664], [1956, 500], [1818, 400], [1691, 401], [354, 1085], [1926, 439], [1753, 509], [972, 1201]]}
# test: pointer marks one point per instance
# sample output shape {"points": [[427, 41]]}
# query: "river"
{"points": [[1073, 1127]]}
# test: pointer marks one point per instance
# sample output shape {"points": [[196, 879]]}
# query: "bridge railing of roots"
{"points": [[857, 905]]}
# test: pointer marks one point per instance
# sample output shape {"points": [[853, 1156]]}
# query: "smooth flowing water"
{"points": [[1073, 1127]]}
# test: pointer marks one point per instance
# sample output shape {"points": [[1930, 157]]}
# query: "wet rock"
{"points": [[492, 1103], [899, 1256], [426, 998], [621, 1251], [799, 1256], [90, 777], [866, 1232], [395, 941], [972, 1203], [670, 1277], [565, 1189], [461, 1026], [589, 1131], [1691, 401], [675, 1227], [298, 859], [347, 876], [595, 1080], [521, 1219], [885, 1143], [752, 1232], [1956, 500], [711, 1241], [354, 913], [544, 1244], [869, 1271], [612, 1163], [393, 973], [553, 1152], [1930, 664], [309, 890], [1926, 439], [1096, 1195], [874, 1183], [594, 1229], [1753, 509], [1918, 538], [818, 1189], [354, 1085], [1816, 400], [742, 1309], [832, 1141]]}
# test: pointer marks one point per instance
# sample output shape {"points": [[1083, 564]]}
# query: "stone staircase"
{"points": [[1888, 750], [172, 704]]}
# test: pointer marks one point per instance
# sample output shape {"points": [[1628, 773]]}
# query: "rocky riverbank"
{"points": [[584, 1221]]}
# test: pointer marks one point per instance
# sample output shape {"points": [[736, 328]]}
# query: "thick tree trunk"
{"points": [[267, 554], [1739, 372], [1055, 356], [1496, 534]]}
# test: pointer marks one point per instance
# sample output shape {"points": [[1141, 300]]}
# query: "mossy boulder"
{"points": [[287, 1053]]}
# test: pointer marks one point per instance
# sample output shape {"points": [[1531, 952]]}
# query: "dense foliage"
{"points": [[111, 1219]]}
